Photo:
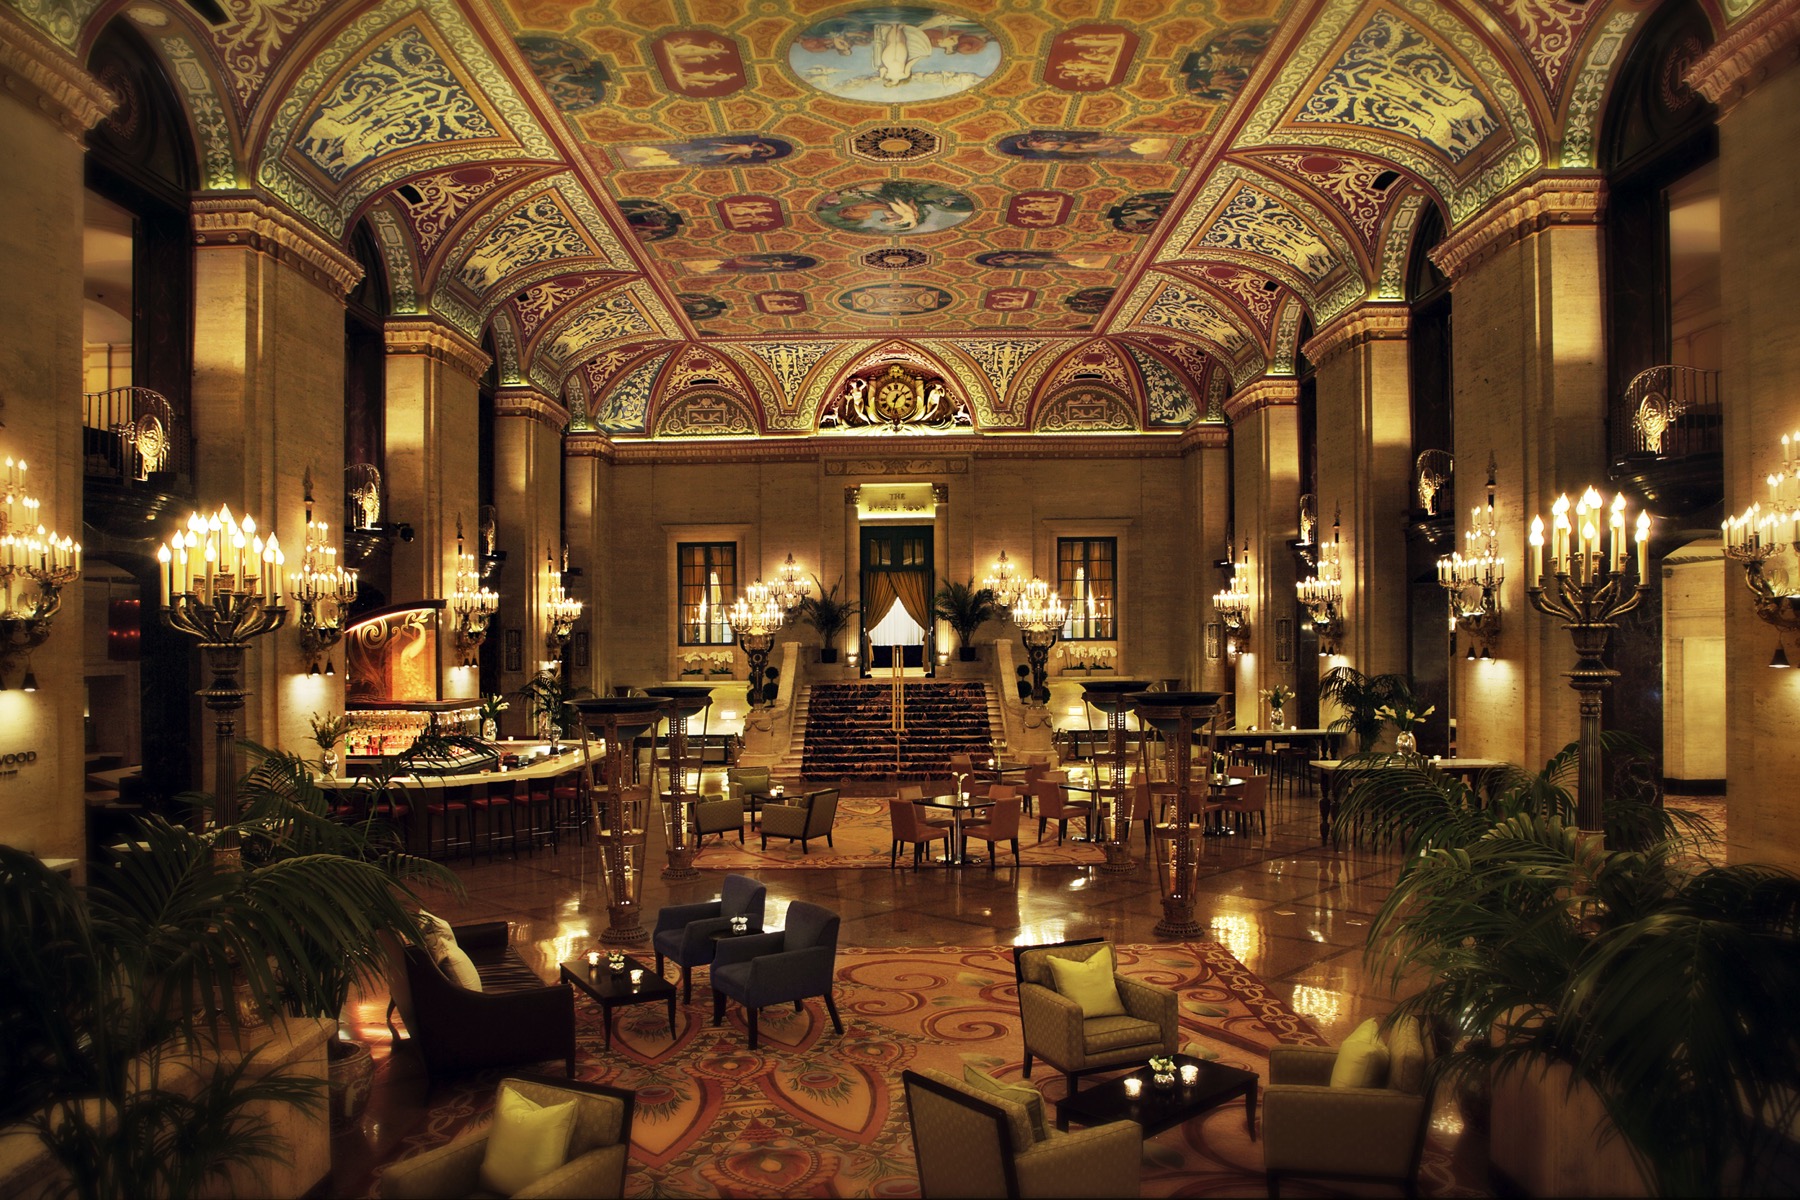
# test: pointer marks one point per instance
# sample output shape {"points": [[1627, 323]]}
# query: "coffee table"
{"points": [[612, 991], [1157, 1110]]}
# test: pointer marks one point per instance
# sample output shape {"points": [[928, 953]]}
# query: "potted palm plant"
{"points": [[965, 608], [829, 616], [328, 731], [1361, 698], [552, 704]]}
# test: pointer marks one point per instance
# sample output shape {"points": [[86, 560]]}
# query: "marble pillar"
{"points": [[528, 493], [1265, 428], [586, 512], [1208, 503]]}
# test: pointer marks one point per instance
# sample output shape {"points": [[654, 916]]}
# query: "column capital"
{"points": [[587, 444], [1362, 324], [1271, 391], [435, 340], [48, 81], [1205, 435], [1539, 203], [532, 404], [241, 221], [1761, 46]]}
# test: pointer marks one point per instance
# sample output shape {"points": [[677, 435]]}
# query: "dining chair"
{"points": [[906, 823], [1251, 800], [1001, 825], [1054, 805]]}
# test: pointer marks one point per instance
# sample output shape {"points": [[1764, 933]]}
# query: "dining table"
{"points": [[1333, 771], [959, 808]]}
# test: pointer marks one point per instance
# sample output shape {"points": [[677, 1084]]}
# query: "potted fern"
{"points": [[965, 608], [1361, 699], [829, 616]]}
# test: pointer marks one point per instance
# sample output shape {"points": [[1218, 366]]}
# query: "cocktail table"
{"points": [[1157, 1109], [612, 991]]}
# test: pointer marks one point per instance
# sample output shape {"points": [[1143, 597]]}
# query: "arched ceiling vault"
{"points": [[641, 199]]}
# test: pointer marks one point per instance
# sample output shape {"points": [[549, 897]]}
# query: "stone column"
{"points": [[587, 521], [268, 403], [1749, 75], [49, 104], [432, 467], [1265, 428], [1529, 361], [1208, 482], [528, 492], [1364, 473]]}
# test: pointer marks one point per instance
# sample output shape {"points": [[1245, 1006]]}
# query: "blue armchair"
{"points": [[685, 932], [773, 968]]}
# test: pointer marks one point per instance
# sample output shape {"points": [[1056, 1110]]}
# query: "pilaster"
{"points": [[528, 492], [1265, 427], [587, 519], [1208, 484]]}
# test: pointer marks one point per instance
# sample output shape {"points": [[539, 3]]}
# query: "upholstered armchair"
{"points": [[685, 933], [1057, 1031], [740, 781], [807, 817], [1363, 1133], [718, 814], [970, 1142], [775, 968], [599, 1145]]}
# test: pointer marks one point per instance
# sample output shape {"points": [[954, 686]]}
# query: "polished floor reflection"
{"points": [[1294, 912]]}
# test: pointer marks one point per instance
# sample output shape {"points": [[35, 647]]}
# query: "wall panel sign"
{"points": [[896, 502]]}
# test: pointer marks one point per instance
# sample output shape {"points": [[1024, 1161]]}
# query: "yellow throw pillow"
{"points": [[1089, 983], [1028, 1098], [435, 934], [459, 968], [527, 1142], [1362, 1060]]}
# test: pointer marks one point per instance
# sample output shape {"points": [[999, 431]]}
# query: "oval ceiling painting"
{"points": [[893, 206], [894, 300], [895, 54]]}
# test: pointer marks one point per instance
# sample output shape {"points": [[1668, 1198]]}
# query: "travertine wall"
{"points": [[1266, 484], [1693, 586]]}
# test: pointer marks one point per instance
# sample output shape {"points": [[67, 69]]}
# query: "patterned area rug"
{"points": [[814, 1114], [860, 838]]}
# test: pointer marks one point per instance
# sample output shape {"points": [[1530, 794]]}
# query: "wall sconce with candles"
{"points": [[1760, 536], [44, 563], [1473, 580], [790, 587], [561, 610], [1322, 592], [1003, 580], [472, 604], [754, 617], [323, 590], [1233, 604], [1588, 590]]}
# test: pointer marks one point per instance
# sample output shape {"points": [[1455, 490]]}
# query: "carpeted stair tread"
{"points": [[850, 734]]}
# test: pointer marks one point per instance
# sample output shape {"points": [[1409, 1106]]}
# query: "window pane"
{"points": [[1085, 576], [706, 581]]}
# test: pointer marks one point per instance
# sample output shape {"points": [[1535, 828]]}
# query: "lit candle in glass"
{"points": [[1133, 1086]]}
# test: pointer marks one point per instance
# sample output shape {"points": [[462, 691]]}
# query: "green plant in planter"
{"points": [[550, 697], [112, 996], [965, 608], [1663, 981], [1362, 697], [828, 615]]}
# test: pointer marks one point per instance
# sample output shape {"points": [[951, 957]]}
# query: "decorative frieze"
{"points": [[246, 222], [1200, 436], [439, 342], [45, 79], [1268, 392], [532, 404], [1562, 199], [1756, 49], [1369, 323], [588, 445]]}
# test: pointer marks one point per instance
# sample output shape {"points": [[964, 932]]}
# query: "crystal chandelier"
{"points": [[44, 563], [561, 610], [1003, 580], [1039, 612], [1763, 540], [1233, 604], [754, 617], [789, 588], [1322, 592], [471, 604], [1473, 580], [323, 590]]}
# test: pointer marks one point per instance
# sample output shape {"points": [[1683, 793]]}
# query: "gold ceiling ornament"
{"points": [[896, 399]]}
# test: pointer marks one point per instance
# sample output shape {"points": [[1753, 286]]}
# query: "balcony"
{"points": [[1665, 438], [137, 460]]}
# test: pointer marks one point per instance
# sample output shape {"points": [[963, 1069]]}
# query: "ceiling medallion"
{"points": [[894, 258], [895, 143]]}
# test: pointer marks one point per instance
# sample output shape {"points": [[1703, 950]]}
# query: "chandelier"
{"points": [[1039, 612], [1322, 592], [1003, 580], [1233, 604], [1473, 580], [561, 610], [323, 590], [754, 617], [1763, 539], [44, 563], [471, 604], [789, 588]]}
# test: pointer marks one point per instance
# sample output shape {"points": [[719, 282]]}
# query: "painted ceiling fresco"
{"points": [[720, 217]]}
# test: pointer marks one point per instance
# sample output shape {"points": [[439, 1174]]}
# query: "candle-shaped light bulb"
{"points": [[167, 559], [1643, 544]]}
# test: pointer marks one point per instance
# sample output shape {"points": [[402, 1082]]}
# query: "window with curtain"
{"points": [[706, 586], [1086, 571]]}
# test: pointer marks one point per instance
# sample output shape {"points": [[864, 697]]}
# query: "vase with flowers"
{"points": [[492, 705], [328, 731], [1277, 698], [1405, 713]]}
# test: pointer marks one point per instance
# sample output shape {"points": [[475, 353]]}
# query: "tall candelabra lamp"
{"points": [[619, 806], [471, 605], [323, 590], [1588, 589], [35, 566], [1039, 612], [1177, 715], [754, 618], [1472, 581], [222, 585], [1762, 539], [1322, 592], [680, 701], [561, 610], [1234, 603], [1114, 698]]}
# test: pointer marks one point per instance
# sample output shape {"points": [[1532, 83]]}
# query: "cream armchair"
{"points": [[598, 1148], [1349, 1133], [973, 1143], [1056, 1031]]}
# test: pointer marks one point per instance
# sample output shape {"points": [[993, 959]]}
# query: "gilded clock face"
{"points": [[894, 399]]}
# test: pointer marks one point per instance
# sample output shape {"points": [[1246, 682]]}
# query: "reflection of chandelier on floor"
{"points": [[894, 400]]}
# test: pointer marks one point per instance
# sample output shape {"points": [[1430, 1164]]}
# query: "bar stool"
{"points": [[448, 805], [495, 800]]}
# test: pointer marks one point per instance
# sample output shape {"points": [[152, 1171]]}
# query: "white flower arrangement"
{"points": [[722, 662], [693, 663]]}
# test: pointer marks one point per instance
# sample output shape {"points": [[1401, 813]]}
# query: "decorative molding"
{"points": [[924, 454], [45, 79], [588, 445], [1542, 202], [1205, 436], [530, 403], [896, 466], [245, 222], [1268, 392], [1359, 326], [1762, 46], [439, 342]]}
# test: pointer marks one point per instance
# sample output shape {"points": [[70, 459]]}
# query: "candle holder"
{"points": [[754, 618], [789, 588], [1234, 603], [1003, 580], [323, 591], [1323, 591], [679, 703], [471, 604], [1175, 714], [1473, 581], [1113, 698], [29, 554], [561, 610], [619, 810], [593, 960], [222, 586], [1039, 613], [1761, 539], [1588, 591]]}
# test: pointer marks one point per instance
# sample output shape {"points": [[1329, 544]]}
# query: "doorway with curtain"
{"points": [[897, 585]]}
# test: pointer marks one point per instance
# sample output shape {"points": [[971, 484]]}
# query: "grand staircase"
{"points": [[845, 730]]}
